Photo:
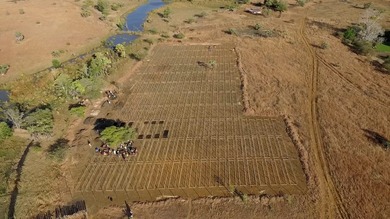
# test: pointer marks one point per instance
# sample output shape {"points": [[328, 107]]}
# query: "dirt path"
{"points": [[328, 193]]}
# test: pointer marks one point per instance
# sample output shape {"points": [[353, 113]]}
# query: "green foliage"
{"points": [[166, 13], [121, 25], [115, 135], [3, 69], [231, 31], [98, 65], [301, 2], [138, 55], [362, 47], [165, 35], [386, 65], [78, 111], [85, 12], [277, 5], [257, 27], [116, 6], [178, 35], [102, 6], [120, 50], [5, 131], [149, 41], [56, 63], [350, 34], [153, 31], [382, 47], [39, 122]]}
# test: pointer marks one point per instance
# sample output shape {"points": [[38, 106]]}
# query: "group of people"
{"points": [[111, 95], [124, 150]]}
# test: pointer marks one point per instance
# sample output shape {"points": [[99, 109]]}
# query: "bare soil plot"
{"points": [[193, 138]]}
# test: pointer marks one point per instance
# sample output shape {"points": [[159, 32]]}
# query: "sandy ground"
{"points": [[330, 95], [49, 26]]}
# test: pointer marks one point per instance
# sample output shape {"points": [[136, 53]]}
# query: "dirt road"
{"points": [[330, 198]]}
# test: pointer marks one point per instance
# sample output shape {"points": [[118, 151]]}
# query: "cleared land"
{"points": [[194, 140]]}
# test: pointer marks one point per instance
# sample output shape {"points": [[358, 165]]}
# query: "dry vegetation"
{"points": [[347, 173]]}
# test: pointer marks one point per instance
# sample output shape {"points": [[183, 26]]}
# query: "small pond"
{"points": [[134, 22]]}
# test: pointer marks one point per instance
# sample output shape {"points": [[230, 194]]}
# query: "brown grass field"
{"points": [[327, 97], [210, 146]]}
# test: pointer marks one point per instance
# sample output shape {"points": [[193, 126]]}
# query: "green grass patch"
{"points": [[78, 111], [382, 48]]}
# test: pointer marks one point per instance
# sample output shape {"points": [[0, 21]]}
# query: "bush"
{"points": [[102, 6], [165, 35], [4, 69], [58, 149], [138, 55], [153, 31], [367, 5], [231, 31], [78, 111], [56, 63], [5, 131], [116, 6], [39, 122], [149, 41], [115, 135], [120, 50], [301, 2], [362, 47], [85, 13], [277, 5], [178, 35], [324, 45], [166, 13], [350, 35], [257, 27], [386, 65]]}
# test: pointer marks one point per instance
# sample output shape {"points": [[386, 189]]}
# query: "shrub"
{"points": [[102, 6], [78, 111], [39, 122], [189, 21], [56, 63], [367, 5], [178, 35], [3, 69], [138, 55], [362, 47], [149, 41], [257, 27], [19, 36], [120, 50], [301, 2], [165, 35], [85, 13], [153, 31], [202, 14], [115, 135], [231, 31], [5, 131], [166, 13], [116, 6], [58, 149], [386, 65], [350, 35], [277, 5], [324, 45]]}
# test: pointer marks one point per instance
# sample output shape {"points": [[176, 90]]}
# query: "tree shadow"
{"points": [[15, 191], [59, 144], [377, 138], [127, 211], [102, 123]]}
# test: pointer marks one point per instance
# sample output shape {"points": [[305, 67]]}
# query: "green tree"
{"points": [[56, 63], [115, 135], [13, 114], [39, 122], [120, 50], [103, 6], [98, 65], [5, 131]]}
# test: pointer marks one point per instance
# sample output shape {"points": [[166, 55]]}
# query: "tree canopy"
{"points": [[115, 135], [39, 122], [5, 131]]}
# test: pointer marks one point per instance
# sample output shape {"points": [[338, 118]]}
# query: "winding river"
{"points": [[134, 22]]}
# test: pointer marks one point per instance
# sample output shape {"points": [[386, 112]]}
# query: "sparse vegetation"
{"points": [[56, 63], [301, 2], [178, 36], [324, 45], [3, 69], [277, 5], [102, 6], [19, 36], [231, 31], [5, 131], [78, 111], [166, 13], [116, 6]]}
